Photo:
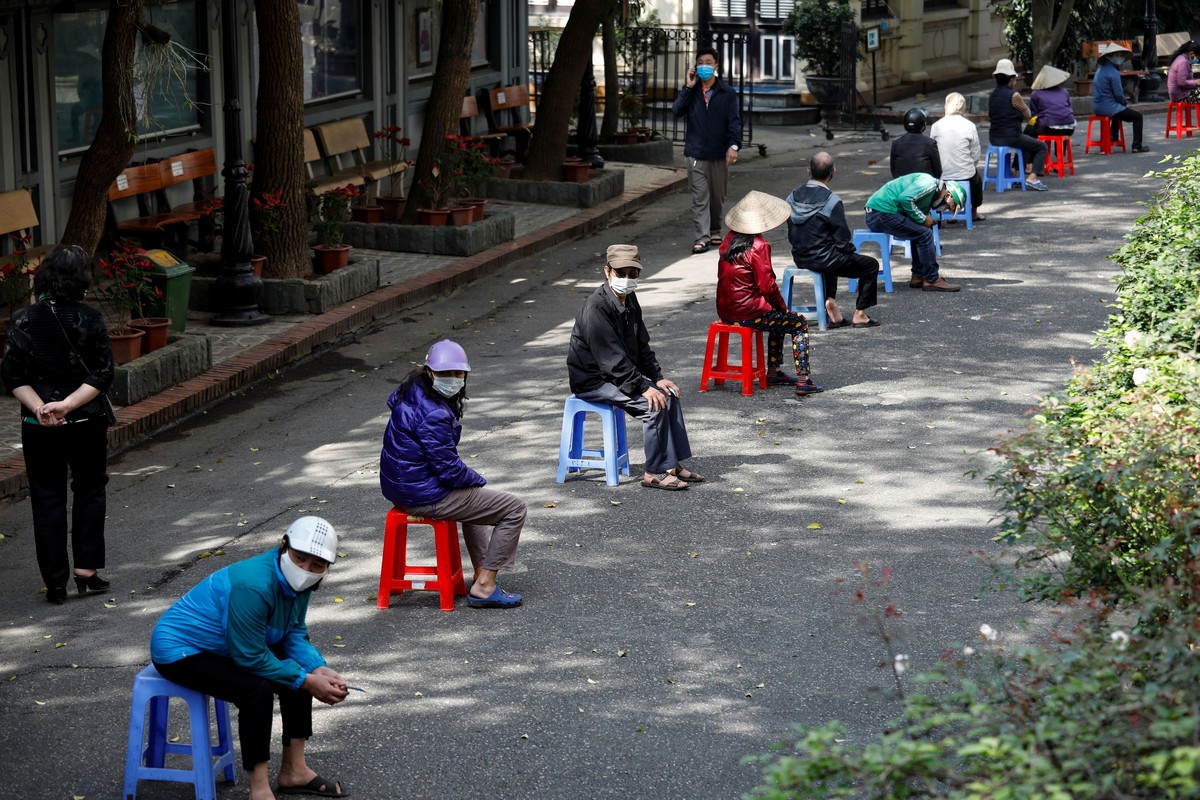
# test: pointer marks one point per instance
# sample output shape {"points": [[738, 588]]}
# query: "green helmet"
{"points": [[957, 193]]}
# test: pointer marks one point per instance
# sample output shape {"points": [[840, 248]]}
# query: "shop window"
{"points": [[333, 47], [167, 103]]}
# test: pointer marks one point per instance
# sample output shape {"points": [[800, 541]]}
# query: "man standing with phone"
{"points": [[714, 134]]}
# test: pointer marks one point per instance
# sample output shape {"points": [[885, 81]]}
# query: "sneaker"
{"points": [[940, 285], [807, 388], [1037, 185]]}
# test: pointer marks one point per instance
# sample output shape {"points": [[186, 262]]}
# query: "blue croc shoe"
{"points": [[497, 599]]}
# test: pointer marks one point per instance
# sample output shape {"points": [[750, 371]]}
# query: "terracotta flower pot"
{"points": [[257, 263], [369, 214], [126, 344], [626, 137], [462, 215], [503, 169], [477, 204], [576, 172], [155, 329], [393, 208], [331, 257], [432, 216]]}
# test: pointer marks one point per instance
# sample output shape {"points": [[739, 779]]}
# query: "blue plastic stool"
{"points": [[866, 236], [573, 457], [1001, 178], [896, 241], [964, 214], [150, 687], [818, 307]]}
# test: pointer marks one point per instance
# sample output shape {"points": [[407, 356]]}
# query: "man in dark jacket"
{"points": [[914, 151], [821, 242], [610, 361], [714, 133]]}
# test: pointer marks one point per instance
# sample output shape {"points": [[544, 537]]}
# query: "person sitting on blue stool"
{"points": [[240, 636], [903, 207], [610, 361]]}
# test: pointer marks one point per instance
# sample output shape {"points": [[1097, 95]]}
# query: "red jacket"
{"points": [[747, 290]]}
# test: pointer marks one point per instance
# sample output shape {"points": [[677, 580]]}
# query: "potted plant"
{"points": [[473, 168], [633, 111], [395, 152], [332, 212], [16, 281], [818, 26], [437, 186], [266, 221], [126, 288], [362, 211]]}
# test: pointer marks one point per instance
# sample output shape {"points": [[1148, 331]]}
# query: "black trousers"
{"points": [[853, 265], [254, 697], [81, 448], [1127, 115]]}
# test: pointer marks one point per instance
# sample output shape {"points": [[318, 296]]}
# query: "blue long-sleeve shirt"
{"points": [[1108, 96], [246, 612]]}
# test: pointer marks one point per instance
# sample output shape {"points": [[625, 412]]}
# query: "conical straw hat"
{"points": [[757, 212], [1049, 77]]}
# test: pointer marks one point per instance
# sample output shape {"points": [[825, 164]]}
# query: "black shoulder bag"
{"points": [[110, 413]]}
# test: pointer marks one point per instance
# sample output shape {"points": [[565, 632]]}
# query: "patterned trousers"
{"points": [[777, 323]]}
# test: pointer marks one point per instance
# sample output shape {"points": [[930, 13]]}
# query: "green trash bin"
{"points": [[173, 279]]}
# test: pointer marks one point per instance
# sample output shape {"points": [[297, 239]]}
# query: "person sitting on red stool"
{"points": [[1181, 87], [1108, 96]]}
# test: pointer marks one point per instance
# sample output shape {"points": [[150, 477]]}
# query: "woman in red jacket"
{"points": [[747, 293]]}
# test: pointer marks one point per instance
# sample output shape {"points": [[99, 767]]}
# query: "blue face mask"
{"points": [[1193, 59], [705, 72]]}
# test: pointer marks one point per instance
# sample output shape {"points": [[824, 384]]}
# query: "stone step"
{"points": [[808, 115], [785, 99]]}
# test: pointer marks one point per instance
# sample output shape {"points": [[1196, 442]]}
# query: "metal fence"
{"points": [[655, 66]]}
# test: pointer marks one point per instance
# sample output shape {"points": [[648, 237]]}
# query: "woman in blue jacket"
{"points": [[240, 635], [421, 472], [1108, 96]]}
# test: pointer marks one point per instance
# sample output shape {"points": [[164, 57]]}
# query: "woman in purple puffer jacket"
{"points": [[421, 471]]}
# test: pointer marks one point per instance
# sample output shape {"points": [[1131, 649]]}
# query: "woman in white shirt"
{"points": [[958, 145]]}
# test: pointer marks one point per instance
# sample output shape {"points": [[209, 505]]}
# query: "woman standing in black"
{"points": [[58, 363]]}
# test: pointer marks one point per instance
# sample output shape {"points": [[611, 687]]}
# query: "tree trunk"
{"points": [[572, 56], [445, 99], [279, 148], [116, 136], [1048, 30], [612, 82]]}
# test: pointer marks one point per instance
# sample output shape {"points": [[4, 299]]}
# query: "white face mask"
{"points": [[623, 286], [297, 578], [448, 387]]}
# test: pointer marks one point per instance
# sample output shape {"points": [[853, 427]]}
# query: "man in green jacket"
{"points": [[904, 208]]}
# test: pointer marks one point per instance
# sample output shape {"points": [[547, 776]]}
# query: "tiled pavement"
{"points": [[244, 355]]}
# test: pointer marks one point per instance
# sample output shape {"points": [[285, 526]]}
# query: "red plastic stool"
{"points": [[753, 364], [1179, 126], [397, 575], [1105, 143], [1058, 155]]}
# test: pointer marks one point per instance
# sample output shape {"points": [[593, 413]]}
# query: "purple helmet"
{"points": [[447, 355]]}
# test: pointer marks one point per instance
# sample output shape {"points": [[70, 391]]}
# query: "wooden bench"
{"points": [[470, 112], [507, 110], [158, 223], [319, 184], [17, 215], [349, 138], [197, 166]]}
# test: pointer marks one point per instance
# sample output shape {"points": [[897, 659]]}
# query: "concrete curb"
{"points": [[140, 421]]}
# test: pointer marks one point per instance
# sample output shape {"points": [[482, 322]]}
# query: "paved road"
{"points": [[665, 635]]}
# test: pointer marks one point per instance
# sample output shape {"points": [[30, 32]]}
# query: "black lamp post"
{"points": [[237, 288], [1152, 80]]}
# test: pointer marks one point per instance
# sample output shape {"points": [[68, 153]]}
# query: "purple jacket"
{"points": [[420, 465], [1179, 79], [1052, 107]]}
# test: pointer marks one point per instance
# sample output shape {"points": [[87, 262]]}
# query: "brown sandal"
{"points": [[664, 481], [687, 476]]}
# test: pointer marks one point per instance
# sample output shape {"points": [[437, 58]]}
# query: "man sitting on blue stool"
{"points": [[821, 242], [903, 208], [610, 361]]}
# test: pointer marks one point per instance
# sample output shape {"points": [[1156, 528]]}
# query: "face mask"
{"points": [[705, 72], [1193, 59], [623, 286], [448, 387], [297, 578]]}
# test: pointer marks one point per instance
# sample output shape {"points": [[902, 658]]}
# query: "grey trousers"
{"points": [[477, 509], [663, 435], [708, 181]]}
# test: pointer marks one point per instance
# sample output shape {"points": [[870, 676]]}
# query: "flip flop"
{"points": [[497, 599], [845, 323], [870, 323], [317, 786], [699, 247], [659, 482]]}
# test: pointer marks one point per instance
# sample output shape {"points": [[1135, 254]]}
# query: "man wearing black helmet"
{"points": [[914, 151]]}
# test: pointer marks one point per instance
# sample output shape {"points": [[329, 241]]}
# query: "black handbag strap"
{"points": [[70, 344]]}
